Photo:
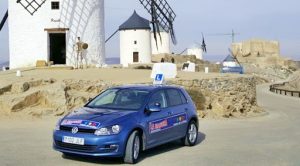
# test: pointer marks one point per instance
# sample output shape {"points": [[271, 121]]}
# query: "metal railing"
{"points": [[278, 89]]}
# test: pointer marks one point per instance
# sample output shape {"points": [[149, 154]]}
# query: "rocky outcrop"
{"points": [[78, 92], [271, 73], [42, 96], [293, 84], [223, 97], [47, 97]]}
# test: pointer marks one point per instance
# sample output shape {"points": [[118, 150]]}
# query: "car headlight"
{"points": [[112, 130]]}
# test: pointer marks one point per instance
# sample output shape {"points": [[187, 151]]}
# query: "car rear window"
{"points": [[175, 97]]}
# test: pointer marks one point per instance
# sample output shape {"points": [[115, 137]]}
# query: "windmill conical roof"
{"points": [[229, 58], [135, 22]]}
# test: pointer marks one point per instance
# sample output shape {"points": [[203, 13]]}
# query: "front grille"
{"points": [[80, 130], [75, 147]]}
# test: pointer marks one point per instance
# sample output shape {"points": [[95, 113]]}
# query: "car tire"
{"points": [[191, 136], [133, 148]]}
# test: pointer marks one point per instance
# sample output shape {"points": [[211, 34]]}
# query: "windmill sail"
{"points": [[162, 15], [203, 44], [31, 6], [160, 10], [3, 20], [234, 56]]}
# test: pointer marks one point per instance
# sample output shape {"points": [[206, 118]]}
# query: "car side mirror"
{"points": [[154, 108]]}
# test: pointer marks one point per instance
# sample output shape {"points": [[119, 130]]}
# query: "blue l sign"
{"points": [[159, 79]]}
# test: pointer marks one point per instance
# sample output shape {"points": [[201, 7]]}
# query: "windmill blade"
{"points": [[3, 20], [153, 18], [183, 51], [111, 36], [173, 36], [234, 56], [163, 15], [230, 51], [203, 44], [155, 24], [31, 6]]}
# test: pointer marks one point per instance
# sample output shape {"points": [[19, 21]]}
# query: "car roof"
{"points": [[145, 87]]}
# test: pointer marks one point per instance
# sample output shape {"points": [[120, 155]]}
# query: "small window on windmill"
{"points": [[55, 5], [135, 42]]}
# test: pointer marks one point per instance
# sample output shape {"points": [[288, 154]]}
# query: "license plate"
{"points": [[73, 140]]}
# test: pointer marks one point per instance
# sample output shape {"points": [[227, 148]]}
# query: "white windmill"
{"points": [[163, 44], [135, 46], [51, 29]]}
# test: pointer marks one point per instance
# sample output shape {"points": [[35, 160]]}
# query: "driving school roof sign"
{"points": [[159, 79]]}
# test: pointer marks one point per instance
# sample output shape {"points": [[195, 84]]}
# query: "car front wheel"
{"points": [[191, 134], [133, 147]]}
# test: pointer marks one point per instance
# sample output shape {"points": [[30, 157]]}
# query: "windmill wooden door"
{"points": [[58, 48], [135, 57]]}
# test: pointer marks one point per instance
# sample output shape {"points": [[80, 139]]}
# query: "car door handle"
{"points": [[186, 109]]}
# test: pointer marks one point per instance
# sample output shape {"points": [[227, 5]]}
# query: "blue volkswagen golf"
{"points": [[123, 121]]}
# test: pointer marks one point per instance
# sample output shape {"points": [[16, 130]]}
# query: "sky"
{"points": [[252, 19]]}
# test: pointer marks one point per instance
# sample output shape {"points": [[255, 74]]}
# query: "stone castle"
{"points": [[260, 52]]}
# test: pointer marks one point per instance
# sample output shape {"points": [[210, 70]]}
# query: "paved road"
{"points": [[269, 140]]}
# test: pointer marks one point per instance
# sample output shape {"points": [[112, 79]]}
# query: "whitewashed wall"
{"points": [[163, 45], [198, 52], [127, 46], [28, 42], [230, 64]]}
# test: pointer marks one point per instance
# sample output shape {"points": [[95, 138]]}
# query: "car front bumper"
{"points": [[98, 146]]}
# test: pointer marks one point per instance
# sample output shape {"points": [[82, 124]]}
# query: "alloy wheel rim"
{"points": [[136, 147], [192, 133]]}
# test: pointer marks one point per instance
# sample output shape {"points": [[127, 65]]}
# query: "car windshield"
{"points": [[122, 99]]}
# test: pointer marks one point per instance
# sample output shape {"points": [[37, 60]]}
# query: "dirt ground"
{"points": [[120, 76]]}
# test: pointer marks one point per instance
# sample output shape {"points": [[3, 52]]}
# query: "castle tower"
{"points": [[51, 33]]}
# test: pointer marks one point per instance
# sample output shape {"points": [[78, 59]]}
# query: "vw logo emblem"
{"points": [[74, 130]]}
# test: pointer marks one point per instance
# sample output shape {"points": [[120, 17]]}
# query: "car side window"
{"points": [[183, 98], [158, 97], [175, 97]]}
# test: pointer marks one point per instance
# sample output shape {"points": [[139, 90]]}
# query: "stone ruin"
{"points": [[260, 52]]}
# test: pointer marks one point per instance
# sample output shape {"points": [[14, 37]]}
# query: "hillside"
{"points": [[294, 82]]}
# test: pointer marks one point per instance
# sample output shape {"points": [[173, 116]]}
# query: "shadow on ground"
{"points": [[175, 145]]}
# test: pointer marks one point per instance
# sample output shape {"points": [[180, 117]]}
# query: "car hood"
{"points": [[102, 117]]}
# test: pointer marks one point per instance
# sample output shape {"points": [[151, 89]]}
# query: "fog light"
{"points": [[110, 148], [114, 146]]}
